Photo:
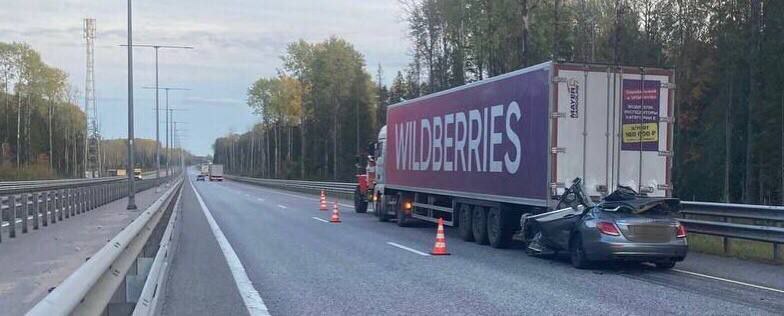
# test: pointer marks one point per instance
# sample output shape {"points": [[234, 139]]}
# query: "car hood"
{"points": [[641, 205]]}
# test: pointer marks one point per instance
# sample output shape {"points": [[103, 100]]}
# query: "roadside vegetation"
{"points": [[729, 97], [42, 127]]}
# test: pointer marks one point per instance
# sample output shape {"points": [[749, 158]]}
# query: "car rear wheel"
{"points": [[360, 205], [464, 225], [498, 232], [664, 265], [577, 253], [479, 225]]}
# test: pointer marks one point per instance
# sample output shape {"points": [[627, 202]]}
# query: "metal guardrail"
{"points": [[722, 227], [89, 289], [39, 204]]}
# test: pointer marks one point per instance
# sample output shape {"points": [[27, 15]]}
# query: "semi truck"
{"points": [[216, 172], [479, 156]]}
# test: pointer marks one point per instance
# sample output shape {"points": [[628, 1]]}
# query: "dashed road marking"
{"points": [[260, 199], [728, 280], [282, 206], [320, 219], [408, 249]]}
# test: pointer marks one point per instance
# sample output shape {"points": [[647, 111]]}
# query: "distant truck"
{"points": [[205, 169], [480, 155], [216, 172]]}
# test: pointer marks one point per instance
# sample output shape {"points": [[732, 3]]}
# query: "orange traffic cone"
{"points": [[335, 214], [323, 202], [439, 249]]}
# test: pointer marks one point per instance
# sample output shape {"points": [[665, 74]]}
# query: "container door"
{"points": [[608, 133]]}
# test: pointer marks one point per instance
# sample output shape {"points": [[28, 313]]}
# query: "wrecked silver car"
{"points": [[623, 226]]}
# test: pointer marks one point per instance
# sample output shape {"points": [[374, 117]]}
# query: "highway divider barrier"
{"points": [[112, 281], [26, 205]]}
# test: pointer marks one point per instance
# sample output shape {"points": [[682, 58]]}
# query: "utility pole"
{"points": [[157, 124], [129, 167], [167, 89]]}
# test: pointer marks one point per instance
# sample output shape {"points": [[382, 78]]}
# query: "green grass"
{"points": [[739, 248], [34, 171]]}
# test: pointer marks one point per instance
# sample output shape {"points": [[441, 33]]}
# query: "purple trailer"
{"points": [[480, 155]]}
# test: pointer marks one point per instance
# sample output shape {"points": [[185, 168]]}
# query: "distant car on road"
{"points": [[200, 177], [137, 174]]}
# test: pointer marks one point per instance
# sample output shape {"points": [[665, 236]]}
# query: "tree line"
{"points": [[42, 127], [729, 138], [41, 130], [316, 116]]}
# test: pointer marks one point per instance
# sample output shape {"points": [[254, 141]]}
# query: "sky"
{"points": [[235, 41]]}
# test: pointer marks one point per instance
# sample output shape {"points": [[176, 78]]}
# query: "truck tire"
{"points": [[479, 225], [381, 212], [402, 219], [360, 204], [464, 222], [499, 234]]}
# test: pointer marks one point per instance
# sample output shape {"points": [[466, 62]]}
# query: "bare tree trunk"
{"points": [[727, 146], [302, 149], [18, 127], [753, 98], [51, 151], [525, 25]]}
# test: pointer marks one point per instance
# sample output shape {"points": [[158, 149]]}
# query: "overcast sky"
{"points": [[237, 41]]}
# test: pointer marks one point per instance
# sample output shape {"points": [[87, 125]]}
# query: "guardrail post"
{"points": [[24, 199], [1, 219], [776, 252], [12, 217], [36, 209], [81, 200], [72, 201], [60, 204], [46, 208]]}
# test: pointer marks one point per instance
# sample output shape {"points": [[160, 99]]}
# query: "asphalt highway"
{"points": [[299, 264]]}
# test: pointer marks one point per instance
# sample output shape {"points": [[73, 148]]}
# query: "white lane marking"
{"points": [[260, 199], [250, 296], [408, 249], [282, 206], [307, 197], [320, 219], [728, 280]]}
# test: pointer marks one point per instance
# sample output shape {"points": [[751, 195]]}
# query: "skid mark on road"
{"points": [[408, 249]]}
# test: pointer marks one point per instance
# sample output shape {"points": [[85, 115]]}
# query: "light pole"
{"points": [[157, 132], [129, 167], [167, 116]]}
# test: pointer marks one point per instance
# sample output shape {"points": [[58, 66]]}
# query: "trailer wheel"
{"points": [[464, 222], [402, 218], [498, 232], [381, 212], [479, 225], [360, 205]]}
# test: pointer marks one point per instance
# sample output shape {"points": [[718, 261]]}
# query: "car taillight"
{"points": [[608, 228], [680, 231]]}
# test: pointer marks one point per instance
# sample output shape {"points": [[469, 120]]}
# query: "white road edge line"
{"points": [[320, 219], [250, 296], [729, 281], [408, 249]]}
